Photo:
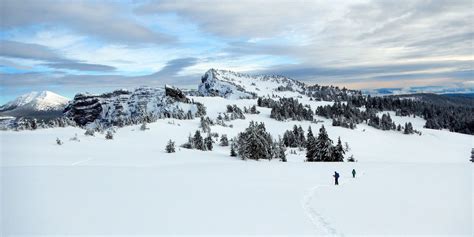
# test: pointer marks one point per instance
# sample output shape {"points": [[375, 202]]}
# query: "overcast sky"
{"points": [[76, 46]]}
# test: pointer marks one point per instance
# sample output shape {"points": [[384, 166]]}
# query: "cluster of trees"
{"points": [[330, 93], [235, 112], [256, 143], [348, 115], [384, 123], [345, 114], [287, 108], [295, 137], [321, 148], [24, 123], [251, 110], [439, 112], [198, 142]]}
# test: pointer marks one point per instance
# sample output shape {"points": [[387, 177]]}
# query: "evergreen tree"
{"points": [[208, 142], [89, 132], [205, 124], [310, 146], [408, 128], [301, 137], [338, 151], [224, 141], [255, 142], [143, 127], [281, 150], [198, 141], [323, 146], [189, 144], [109, 135], [289, 139], [233, 153], [170, 148]]}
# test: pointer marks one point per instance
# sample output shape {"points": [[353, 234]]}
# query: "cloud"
{"points": [[333, 31], [107, 20], [13, 49], [380, 75], [330, 42], [81, 66], [169, 74], [173, 67]]}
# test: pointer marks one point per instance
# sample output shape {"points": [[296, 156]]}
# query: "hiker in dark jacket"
{"points": [[336, 178], [353, 173]]}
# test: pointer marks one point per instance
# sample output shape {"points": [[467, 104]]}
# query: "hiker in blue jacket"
{"points": [[336, 178]]}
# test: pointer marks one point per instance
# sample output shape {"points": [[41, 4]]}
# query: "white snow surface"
{"points": [[405, 184], [38, 101]]}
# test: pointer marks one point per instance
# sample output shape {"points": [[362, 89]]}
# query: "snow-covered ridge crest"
{"points": [[124, 107], [230, 84], [37, 101]]}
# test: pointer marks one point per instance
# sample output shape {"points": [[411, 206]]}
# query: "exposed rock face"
{"points": [[176, 93], [124, 107], [84, 108]]}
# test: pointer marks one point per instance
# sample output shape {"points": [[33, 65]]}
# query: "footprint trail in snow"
{"points": [[318, 220]]}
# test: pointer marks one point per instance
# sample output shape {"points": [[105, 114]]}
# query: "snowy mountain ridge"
{"points": [[235, 85]]}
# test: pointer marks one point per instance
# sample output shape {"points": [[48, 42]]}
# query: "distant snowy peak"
{"points": [[230, 84], [36, 101]]}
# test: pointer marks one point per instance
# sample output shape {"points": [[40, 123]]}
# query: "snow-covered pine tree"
{"points": [[198, 141], [301, 138], [253, 110], [281, 150], [109, 135], [208, 142], [323, 146], [289, 139], [472, 155], [224, 141], [254, 143], [310, 146], [408, 128], [233, 153], [189, 144], [143, 127], [89, 132], [338, 151], [346, 147], [205, 126], [170, 148]]}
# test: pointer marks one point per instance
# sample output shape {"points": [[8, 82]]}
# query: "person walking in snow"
{"points": [[336, 178], [353, 173]]}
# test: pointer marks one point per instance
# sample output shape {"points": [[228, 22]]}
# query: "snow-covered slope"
{"points": [[130, 186], [34, 102], [230, 84]]}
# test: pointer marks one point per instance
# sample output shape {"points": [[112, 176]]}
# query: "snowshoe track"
{"points": [[318, 220]]}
